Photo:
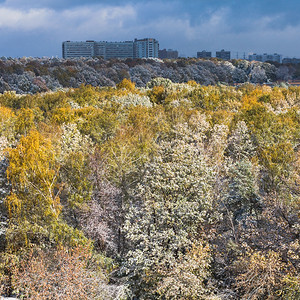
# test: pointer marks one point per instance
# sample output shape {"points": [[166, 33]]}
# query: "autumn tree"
{"points": [[60, 274], [34, 205]]}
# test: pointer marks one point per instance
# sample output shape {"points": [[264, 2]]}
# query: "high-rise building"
{"points": [[146, 48], [223, 54], [167, 54], [78, 49], [204, 54], [266, 57]]}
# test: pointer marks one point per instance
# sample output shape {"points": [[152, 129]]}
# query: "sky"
{"points": [[38, 27]]}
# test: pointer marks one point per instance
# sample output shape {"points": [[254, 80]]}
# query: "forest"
{"points": [[153, 188], [32, 75]]}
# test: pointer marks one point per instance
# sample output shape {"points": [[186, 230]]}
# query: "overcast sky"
{"points": [[38, 27]]}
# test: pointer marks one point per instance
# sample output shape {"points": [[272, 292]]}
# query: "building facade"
{"points": [[100, 49], [293, 60], [167, 54], [144, 48], [78, 49], [265, 57], [223, 54], [204, 54], [118, 50]]}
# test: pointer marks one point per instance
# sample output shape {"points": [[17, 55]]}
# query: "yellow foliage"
{"points": [[127, 84], [25, 120], [192, 83], [263, 276], [33, 172], [63, 115], [249, 101], [7, 122], [157, 94]]}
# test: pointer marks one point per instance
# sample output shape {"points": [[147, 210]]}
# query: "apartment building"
{"points": [[167, 54], [118, 50], [223, 54], [143, 48], [78, 49], [265, 57], [204, 54]]}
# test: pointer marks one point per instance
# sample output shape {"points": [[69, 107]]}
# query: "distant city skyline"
{"points": [[149, 48], [37, 28]]}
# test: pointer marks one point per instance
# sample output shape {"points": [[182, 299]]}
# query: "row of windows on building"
{"points": [[226, 55], [142, 48]]}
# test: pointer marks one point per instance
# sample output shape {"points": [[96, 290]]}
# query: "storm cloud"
{"points": [[37, 28]]}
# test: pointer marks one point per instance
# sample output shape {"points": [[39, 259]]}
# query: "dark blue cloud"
{"points": [[38, 27]]}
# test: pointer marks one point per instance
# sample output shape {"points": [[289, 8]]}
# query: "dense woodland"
{"points": [[32, 75], [164, 191]]}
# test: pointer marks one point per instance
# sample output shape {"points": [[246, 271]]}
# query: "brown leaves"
{"points": [[58, 274], [263, 275]]}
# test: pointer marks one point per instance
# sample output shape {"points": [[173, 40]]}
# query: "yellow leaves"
{"points": [[127, 84], [263, 274], [278, 159], [63, 115], [99, 124], [25, 120], [31, 158], [13, 204], [10, 99], [85, 94], [291, 288], [32, 172], [5, 113], [276, 96], [248, 102], [221, 117], [7, 122], [192, 83], [34, 205], [278, 154], [157, 94], [200, 254]]}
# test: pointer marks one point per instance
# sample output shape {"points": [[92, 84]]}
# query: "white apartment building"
{"points": [[78, 49], [144, 48]]}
